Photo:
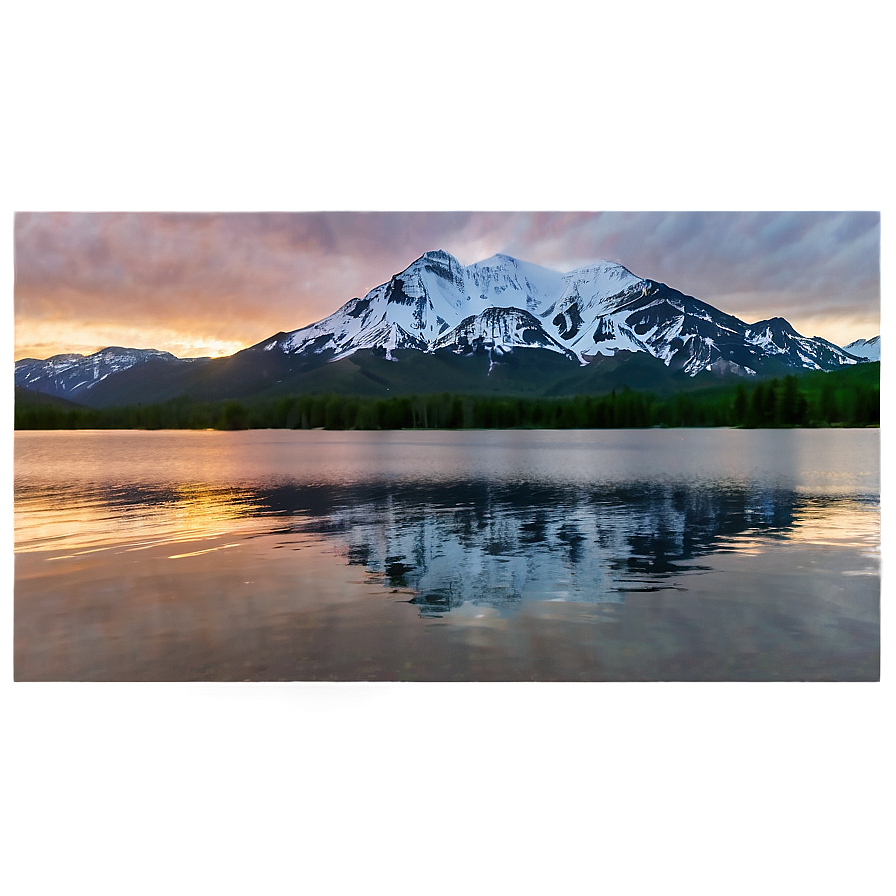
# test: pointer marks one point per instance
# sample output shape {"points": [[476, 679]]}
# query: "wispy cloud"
{"points": [[204, 284]]}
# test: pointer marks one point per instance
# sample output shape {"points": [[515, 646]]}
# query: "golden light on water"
{"points": [[196, 512], [220, 547], [838, 524]]}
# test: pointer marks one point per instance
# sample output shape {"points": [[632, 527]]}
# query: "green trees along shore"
{"points": [[849, 397]]}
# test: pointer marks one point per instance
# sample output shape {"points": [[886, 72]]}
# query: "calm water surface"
{"points": [[595, 555]]}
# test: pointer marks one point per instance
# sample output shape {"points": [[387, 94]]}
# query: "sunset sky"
{"points": [[211, 284]]}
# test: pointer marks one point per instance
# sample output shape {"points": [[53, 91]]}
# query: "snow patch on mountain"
{"points": [[500, 328]]}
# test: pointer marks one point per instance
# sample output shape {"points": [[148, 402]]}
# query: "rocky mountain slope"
{"points": [[499, 310]]}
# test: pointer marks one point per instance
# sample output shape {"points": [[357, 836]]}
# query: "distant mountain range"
{"points": [[499, 324], [868, 349]]}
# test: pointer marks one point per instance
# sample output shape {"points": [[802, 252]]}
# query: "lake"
{"points": [[472, 555]]}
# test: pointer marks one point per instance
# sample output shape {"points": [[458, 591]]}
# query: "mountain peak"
{"points": [[875, 340], [775, 325], [601, 264], [498, 260], [610, 270], [439, 256], [869, 349], [437, 260]]}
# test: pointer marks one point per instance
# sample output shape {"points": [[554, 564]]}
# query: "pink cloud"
{"points": [[236, 279]]}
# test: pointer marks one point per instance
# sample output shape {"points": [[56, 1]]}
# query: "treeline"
{"points": [[788, 401], [842, 398], [446, 411]]}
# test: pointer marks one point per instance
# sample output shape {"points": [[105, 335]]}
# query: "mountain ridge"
{"points": [[494, 307], [600, 308], [868, 349]]}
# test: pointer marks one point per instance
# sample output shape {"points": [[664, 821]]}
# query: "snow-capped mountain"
{"points": [[71, 375], [423, 305], [499, 307], [869, 349], [502, 304]]}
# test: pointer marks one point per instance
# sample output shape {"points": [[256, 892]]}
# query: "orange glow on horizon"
{"points": [[44, 341], [34, 340]]}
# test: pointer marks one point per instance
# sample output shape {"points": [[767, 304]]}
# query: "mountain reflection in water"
{"points": [[451, 543], [495, 545], [579, 555]]}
